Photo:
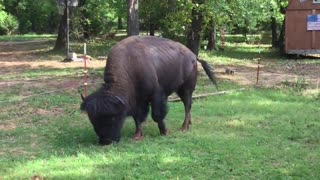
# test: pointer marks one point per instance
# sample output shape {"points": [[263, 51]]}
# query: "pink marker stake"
{"points": [[85, 69]]}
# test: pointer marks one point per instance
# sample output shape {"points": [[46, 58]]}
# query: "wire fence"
{"points": [[79, 87]]}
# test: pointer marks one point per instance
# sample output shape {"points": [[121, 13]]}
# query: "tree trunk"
{"points": [[211, 36], [120, 26], [274, 32], [281, 38], [152, 26], [61, 39], [133, 18], [193, 36], [282, 32]]}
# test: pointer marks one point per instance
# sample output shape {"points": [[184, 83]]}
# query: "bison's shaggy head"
{"points": [[106, 113]]}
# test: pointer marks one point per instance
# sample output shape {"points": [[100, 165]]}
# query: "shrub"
{"points": [[8, 23]]}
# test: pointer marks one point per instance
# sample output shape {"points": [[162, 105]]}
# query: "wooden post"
{"points": [[258, 69], [67, 31], [258, 72], [85, 71]]}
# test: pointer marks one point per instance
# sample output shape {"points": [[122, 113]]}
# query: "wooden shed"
{"points": [[302, 28]]}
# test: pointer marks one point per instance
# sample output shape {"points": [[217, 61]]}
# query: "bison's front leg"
{"points": [[159, 111], [139, 117]]}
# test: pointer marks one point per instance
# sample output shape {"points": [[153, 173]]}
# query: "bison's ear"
{"points": [[83, 104]]}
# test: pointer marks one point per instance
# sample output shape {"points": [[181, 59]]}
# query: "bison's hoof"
{"points": [[184, 129], [164, 133], [105, 142], [137, 136]]}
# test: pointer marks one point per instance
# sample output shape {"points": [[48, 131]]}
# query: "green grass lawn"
{"points": [[28, 37], [257, 133], [254, 134]]}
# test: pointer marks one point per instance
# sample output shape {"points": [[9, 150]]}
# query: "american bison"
{"points": [[142, 71]]}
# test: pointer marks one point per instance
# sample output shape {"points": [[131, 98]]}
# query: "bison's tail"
{"points": [[209, 72]]}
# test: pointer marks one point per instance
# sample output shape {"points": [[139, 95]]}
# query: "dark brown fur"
{"points": [[142, 72]]}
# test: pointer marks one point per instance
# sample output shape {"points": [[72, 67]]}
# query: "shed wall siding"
{"points": [[297, 38], [307, 5]]}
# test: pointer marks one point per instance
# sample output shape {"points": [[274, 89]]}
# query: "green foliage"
{"points": [[34, 16], [217, 11], [177, 19], [102, 17], [247, 14], [297, 86], [8, 23], [172, 18], [96, 17]]}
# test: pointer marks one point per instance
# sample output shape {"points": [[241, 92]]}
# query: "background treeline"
{"points": [[170, 18]]}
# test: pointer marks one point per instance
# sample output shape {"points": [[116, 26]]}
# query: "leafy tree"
{"points": [[216, 17], [247, 14], [34, 16], [101, 16], [193, 36], [175, 23], [61, 38], [282, 6], [91, 18], [183, 20], [151, 11], [8, 23], [120, 7], [132, 17], [96, 17]]}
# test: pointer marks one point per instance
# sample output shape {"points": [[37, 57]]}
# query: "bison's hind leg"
{"points": [[186, 98], [185, 94]]}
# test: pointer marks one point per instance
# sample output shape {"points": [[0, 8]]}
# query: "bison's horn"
{"points": [[122, 101]]}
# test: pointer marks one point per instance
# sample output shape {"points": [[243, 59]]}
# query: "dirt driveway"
{"points": [[17, 57]]}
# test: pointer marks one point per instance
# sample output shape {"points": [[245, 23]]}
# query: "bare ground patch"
{"points": [[17, 57], [273, 74], [8, 127]]}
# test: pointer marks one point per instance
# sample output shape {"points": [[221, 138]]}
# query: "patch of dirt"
{"points": [[273, 74], [52, 112], [16, 57], [19, 57], [8, 127]]}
